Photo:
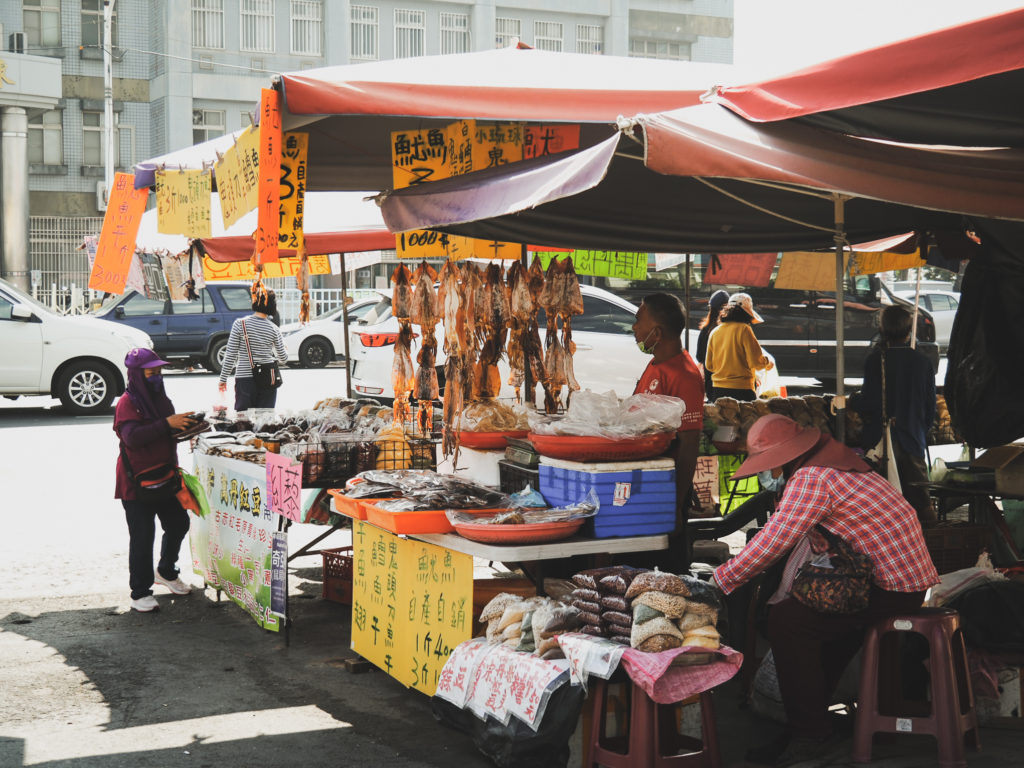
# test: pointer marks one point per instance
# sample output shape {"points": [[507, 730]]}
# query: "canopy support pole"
{"points": [[344, 313], [839, 403], [686, 306]]}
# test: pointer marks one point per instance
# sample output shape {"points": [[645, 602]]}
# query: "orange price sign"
{"points": [[269, 205], [116, 245]]}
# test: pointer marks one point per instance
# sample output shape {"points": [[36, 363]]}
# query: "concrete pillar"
{"points": [[14, 196], [616, 33], [481, 27]]}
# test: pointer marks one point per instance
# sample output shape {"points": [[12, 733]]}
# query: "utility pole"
{"points": [[108, 98]]}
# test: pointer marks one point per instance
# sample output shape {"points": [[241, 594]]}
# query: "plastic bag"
{"points": [[588, 507], [528, 498], [603, 415], [767, 382]]}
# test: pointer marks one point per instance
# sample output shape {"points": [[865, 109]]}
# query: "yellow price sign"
{"points": [[183, 203], [237, 172], [412, 604]]}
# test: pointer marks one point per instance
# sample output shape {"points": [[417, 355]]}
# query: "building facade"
{"points": [[189, 70]]}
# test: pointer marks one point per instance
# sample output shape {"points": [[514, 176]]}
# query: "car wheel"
{"points": [[316, 353], [86, 388], [215, 360]]}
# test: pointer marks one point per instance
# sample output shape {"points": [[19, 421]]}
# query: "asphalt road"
{"points": [[89, 684]]}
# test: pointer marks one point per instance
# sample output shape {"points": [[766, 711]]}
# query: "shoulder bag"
{"points": [[153, 483], [882, 455], [838, 581], [264, 375]]}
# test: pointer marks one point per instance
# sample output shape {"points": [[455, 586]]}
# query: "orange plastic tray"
{"points": [[417, 521], [489, 440], [578, 448], [354, 508], [526, 533]]}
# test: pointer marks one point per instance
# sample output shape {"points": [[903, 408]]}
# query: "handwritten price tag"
{"points": [[284, 483]]}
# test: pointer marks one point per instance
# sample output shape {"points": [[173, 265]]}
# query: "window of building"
{"points": [[257, 25], [547, 35], [589, 38], [93, 147], [42, 23], [307, 27], [506, 31], [659, 49], [207, 124], [454, 32], [410, 33], [208, 23], [46, 138], [92, 23], [365, 25]]}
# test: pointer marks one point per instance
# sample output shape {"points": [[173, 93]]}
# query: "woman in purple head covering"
{"points": [[145, 423]]}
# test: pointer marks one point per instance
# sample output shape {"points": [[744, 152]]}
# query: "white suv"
{"points": [[79, 359], [606, 358]]}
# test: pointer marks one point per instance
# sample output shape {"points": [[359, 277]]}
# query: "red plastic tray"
{"points": [[489, 440], [417, 521], [525, 533], [576, 448]]}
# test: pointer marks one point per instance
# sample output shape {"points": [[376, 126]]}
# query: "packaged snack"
{"points": [[651, 628], [673, 606], [644, 613], [618, 618], [657, 581], [586, 607], [581, 593], [615, 603], [497, 605]]}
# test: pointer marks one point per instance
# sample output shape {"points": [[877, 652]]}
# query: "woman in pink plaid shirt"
{"points": [[826, 484]]}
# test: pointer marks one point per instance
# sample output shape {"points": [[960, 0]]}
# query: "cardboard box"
{"points": [[1008, 463]]}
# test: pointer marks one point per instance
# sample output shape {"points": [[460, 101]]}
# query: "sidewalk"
{"points": [[87, 685]]}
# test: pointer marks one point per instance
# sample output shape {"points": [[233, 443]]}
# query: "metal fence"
{"points": [[60, 268]]}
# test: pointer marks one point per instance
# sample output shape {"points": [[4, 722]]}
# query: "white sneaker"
{"points": [[145, 604], [177, 586]]}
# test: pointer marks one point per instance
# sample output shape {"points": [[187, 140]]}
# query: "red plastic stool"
{"points": [[952, 713], [653, 739]]}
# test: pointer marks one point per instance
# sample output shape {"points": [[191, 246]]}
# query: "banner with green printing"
{"points": [[624, 265]]}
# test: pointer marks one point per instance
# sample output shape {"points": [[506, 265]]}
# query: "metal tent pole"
{"points": [[344, 312], [686, 308], [839, 403]]}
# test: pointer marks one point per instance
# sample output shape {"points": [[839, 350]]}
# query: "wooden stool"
{"points": [[952, 713], [652, 739]]}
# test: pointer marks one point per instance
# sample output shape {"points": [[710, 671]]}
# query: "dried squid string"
{"points": [[302, 283]]}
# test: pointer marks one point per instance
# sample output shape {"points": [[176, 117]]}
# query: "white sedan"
{"points": [[322, 339], [942, 306], [607, 357]]}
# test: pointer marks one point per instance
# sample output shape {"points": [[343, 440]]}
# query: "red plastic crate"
{"points": [[337, 585]]}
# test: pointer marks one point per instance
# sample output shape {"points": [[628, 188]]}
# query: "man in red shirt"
{"points": [[658, 330]]}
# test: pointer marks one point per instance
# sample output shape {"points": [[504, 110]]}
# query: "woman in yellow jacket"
{"points": [[734, 352]]}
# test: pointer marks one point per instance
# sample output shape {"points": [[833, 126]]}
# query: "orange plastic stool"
{"points": [[653, 740], [952, 713]]}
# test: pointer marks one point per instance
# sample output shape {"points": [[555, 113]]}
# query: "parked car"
{"points": [[607, 357], [187, 332], [322, 339], [942, 306], [77, 358], [799, 328]]}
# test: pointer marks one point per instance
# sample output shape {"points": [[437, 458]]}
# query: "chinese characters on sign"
{"points": [[237, 173], [269, 200], [284, 486], [440, 153], [627, 266], [705, 481], [117, 237], [412, 604], [279, 574], [242, 270], [293, 189], [233, 546], [183, 203], [540, 140]]}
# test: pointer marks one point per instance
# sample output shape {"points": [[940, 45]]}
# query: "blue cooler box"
{"points": [[638, 498]]}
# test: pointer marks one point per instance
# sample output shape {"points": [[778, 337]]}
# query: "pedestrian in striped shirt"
{"points": [[253, 340], [826, 484]]}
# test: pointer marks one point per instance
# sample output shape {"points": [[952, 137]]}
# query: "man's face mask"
{"points": [[643, 345]]}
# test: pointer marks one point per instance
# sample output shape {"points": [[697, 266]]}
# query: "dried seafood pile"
{"points": [[561, 300]]}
